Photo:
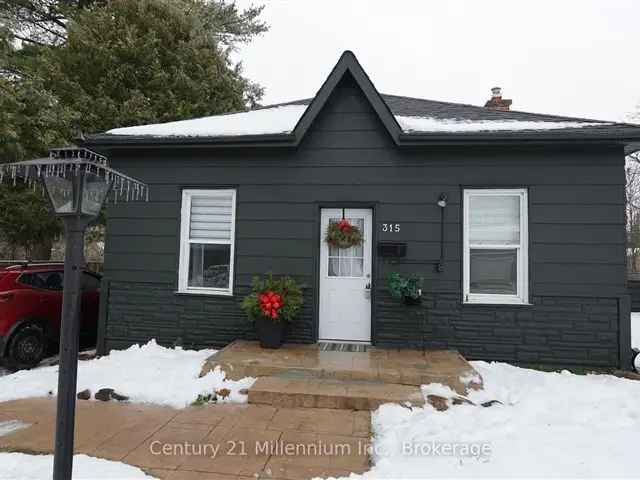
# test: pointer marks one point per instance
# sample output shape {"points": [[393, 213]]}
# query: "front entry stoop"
{"points": [[309, 366], [282, 392], [310, 376]]}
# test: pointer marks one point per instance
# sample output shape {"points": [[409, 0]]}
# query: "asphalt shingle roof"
{"points": [[422, 107]]}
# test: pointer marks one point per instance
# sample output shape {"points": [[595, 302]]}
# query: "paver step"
{"points": [[324, 393], [405, 366]]}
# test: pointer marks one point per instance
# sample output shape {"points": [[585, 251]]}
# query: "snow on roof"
{"points": [[274, 120], [283, 119], [432, 124]]}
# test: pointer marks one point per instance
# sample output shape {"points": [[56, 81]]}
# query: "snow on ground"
{"points": [[283, 119], [431, 124], [272, 120], [19, 466], [551, 425], [148, 373]]}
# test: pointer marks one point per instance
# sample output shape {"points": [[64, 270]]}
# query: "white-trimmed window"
{"points": [[207, 234], [495, 257]]}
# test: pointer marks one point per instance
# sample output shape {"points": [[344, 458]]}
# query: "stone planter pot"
{"points": [[270, 334]]}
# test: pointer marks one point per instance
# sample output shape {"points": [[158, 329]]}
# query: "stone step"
{"points": [[326, 393], [405, 366]]}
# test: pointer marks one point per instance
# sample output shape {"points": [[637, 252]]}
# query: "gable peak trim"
{"points": [[348, 63]]}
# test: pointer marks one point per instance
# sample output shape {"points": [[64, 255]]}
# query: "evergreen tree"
{"points": [[74, 67]]}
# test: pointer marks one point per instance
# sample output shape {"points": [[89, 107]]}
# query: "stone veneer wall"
{"points": [[553, 330]]}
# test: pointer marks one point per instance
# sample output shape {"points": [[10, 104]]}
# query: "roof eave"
{"points": [[106, 140], [289, 140], [531, 137]]}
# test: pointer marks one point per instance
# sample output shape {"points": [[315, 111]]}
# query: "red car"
{"points": [[30, 311]]}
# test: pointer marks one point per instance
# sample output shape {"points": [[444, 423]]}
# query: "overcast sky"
{"points": [[570, 57]]}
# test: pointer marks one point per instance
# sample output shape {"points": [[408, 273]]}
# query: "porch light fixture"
{"points": [[442, 203], [78, 182]]}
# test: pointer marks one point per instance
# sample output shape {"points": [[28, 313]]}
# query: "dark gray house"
{"points": [[515, 221]]}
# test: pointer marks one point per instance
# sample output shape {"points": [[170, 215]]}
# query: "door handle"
{"points": [[367, 286]]}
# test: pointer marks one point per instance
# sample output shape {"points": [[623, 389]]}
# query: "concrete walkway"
{"points": [[213, 442]]}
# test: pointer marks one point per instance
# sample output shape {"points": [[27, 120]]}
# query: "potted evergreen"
{"points": [[407, 289], [272, 305]]}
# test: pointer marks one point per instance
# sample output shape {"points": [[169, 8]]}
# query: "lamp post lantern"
{"points": [[77, 182]]}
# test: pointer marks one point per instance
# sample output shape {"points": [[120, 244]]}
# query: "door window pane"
{"points": [[356, 267], [345, 267], [334, 267], [209, 265], [347, 262], [494, 219], [493, 271]]}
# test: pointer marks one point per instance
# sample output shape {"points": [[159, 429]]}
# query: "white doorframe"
{"points": [[344, 313]]}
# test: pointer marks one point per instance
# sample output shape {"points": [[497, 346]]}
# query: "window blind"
{"points": [[211, 216]]}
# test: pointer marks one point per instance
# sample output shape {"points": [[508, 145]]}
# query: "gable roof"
{"points": [[348, 63], [409, 121]]}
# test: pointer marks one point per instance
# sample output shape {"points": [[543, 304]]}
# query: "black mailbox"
{"points": [[392, 249]]}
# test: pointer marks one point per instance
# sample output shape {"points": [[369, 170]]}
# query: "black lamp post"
{"points": [[77, 182]]}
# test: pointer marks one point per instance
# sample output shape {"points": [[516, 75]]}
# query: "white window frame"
{"points": [[186, 241], [522, 287]]}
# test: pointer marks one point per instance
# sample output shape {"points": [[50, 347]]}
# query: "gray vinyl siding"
{"points": [[576, 249]]}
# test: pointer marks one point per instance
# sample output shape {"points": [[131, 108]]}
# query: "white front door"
{"points": [[345, 281]]}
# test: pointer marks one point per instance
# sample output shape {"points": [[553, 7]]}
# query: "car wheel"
{"points": [[27, 347]]}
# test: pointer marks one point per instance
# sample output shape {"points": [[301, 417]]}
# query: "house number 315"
{"points": [[391, 227]]}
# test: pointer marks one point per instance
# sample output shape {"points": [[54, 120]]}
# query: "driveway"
{"points": [[224, 442]]}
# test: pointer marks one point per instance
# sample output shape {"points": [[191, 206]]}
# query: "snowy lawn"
{"points": [[148, 373], [550, 425], [19, 466]]}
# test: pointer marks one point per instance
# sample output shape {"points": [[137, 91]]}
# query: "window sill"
{"points": [[485, 303], [203, 293]]}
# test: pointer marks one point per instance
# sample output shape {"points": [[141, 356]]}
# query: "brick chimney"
{"points": [[496, 102]]}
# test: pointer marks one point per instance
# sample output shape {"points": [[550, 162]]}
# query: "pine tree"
{"points": [[74, 67]]}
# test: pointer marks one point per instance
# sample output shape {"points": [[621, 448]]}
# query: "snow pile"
{"points": [[431, 124], [19, 466], [273, 120], [550, 425], [148, 373], [438, 389]]}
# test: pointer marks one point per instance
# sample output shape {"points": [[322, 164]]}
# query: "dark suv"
{"points": [[30, 311]]}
